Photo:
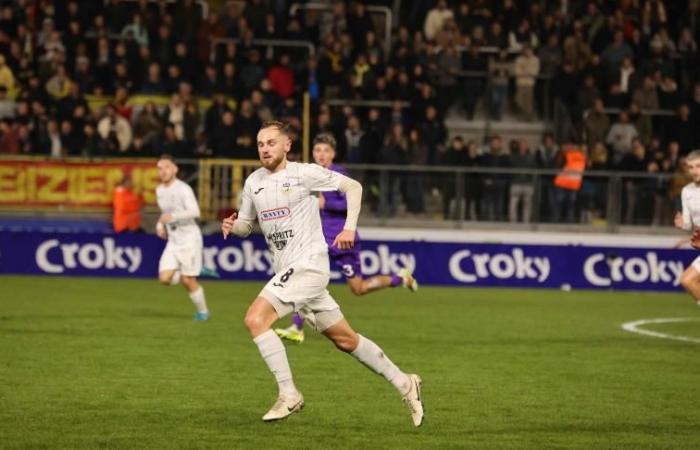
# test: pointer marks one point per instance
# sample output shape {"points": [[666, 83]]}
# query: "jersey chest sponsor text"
{"points": [[275, 213]]}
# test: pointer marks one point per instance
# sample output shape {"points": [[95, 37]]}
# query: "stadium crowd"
{"points": [[139, 78]]}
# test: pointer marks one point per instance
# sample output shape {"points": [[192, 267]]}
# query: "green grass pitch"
{"points": [[119, 364]]}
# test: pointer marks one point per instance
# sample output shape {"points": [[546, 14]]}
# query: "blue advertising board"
{"points": [[434, 263]]}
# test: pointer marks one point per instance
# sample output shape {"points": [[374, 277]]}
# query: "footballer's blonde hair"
{"points": [[695, 154], [282, 127]]}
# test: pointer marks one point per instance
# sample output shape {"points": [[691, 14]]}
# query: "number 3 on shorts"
{"points": [[348, 271]]}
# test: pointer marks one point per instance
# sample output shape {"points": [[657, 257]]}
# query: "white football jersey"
{"points": [[690, 197], [287, 212], [178, 199]]}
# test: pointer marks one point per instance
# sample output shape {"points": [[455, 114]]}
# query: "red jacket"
{"points": [[281, 81]]}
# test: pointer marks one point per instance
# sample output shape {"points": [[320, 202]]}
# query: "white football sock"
{"points": [[198, 300], [275, 356], [369, 354], [175, 279]]}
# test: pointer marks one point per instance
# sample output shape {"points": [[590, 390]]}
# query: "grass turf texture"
{"points": [[119, 364]]}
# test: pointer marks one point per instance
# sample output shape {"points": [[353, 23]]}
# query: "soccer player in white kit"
{"points": [[689, 220], [181, 261], [279, 196]]}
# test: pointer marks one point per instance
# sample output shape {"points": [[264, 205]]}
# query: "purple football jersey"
{"points": [[333, 217]]}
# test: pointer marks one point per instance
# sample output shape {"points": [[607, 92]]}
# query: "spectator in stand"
{"points": [[436, 18], [7, 78], [646, 96], [247, 126], [147, 125], [455, 155], [522, 188], [636, 160], [281, 78], [522, 37], [394, 152], [223, 140], [9, 138], [174, 114], [434, 133], [474, 84], [500, 71], [616, 52], [526, 70], [620, 137], [115, 131], [683, 130], [642, 122], [494, 185], [414, 186]]}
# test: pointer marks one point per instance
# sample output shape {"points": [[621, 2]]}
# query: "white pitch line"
{"points": [[633, 327]]}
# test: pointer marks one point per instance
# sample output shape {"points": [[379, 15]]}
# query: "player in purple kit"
{"points": [[333, 207]]}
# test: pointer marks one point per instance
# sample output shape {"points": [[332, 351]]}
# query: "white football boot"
{"points": [[284, 407], [414, 401]]}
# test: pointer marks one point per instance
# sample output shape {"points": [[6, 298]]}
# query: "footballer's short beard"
{"points": [[273, 163]]}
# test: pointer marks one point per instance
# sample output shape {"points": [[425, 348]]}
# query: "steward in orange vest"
{"points": [[574, 163], [127, 207]]}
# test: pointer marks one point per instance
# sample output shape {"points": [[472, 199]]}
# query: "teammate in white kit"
{"points": [[181, 261], [689, 220], [279, 196]]}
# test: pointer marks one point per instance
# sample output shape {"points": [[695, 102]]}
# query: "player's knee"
{"points": [[254, 324], [347, 342], [190, 283], [165, 278]]}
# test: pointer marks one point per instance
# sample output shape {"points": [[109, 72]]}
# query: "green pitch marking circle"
{"points": [[635, 327]]}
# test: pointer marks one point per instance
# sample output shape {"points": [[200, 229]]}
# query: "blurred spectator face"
{"points": [[227, 118], [111, 112], [247, 108], [173, 71], [374, 114], [673, 149], [684, 112], [431, 113], [284, 60], [153, 72], [181, 50], [121, 70], [354, 123], [626, 62], [52, 127], [441, 5], [120, 50], [634, 108], [457, 144], [66, 127], [229, 70], [496, 144], [523, 147], [624, 117], [618, 37], [185, 90]]}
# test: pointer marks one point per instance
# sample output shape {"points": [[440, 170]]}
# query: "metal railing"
{"points": [[308, 45], [457, 197]]}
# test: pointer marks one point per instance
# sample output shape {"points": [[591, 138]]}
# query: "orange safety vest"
{"points": [[571, 176], [127, 210]]}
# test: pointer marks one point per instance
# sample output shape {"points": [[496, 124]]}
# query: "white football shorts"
{"points": [[186, 259], [303, 288]]}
